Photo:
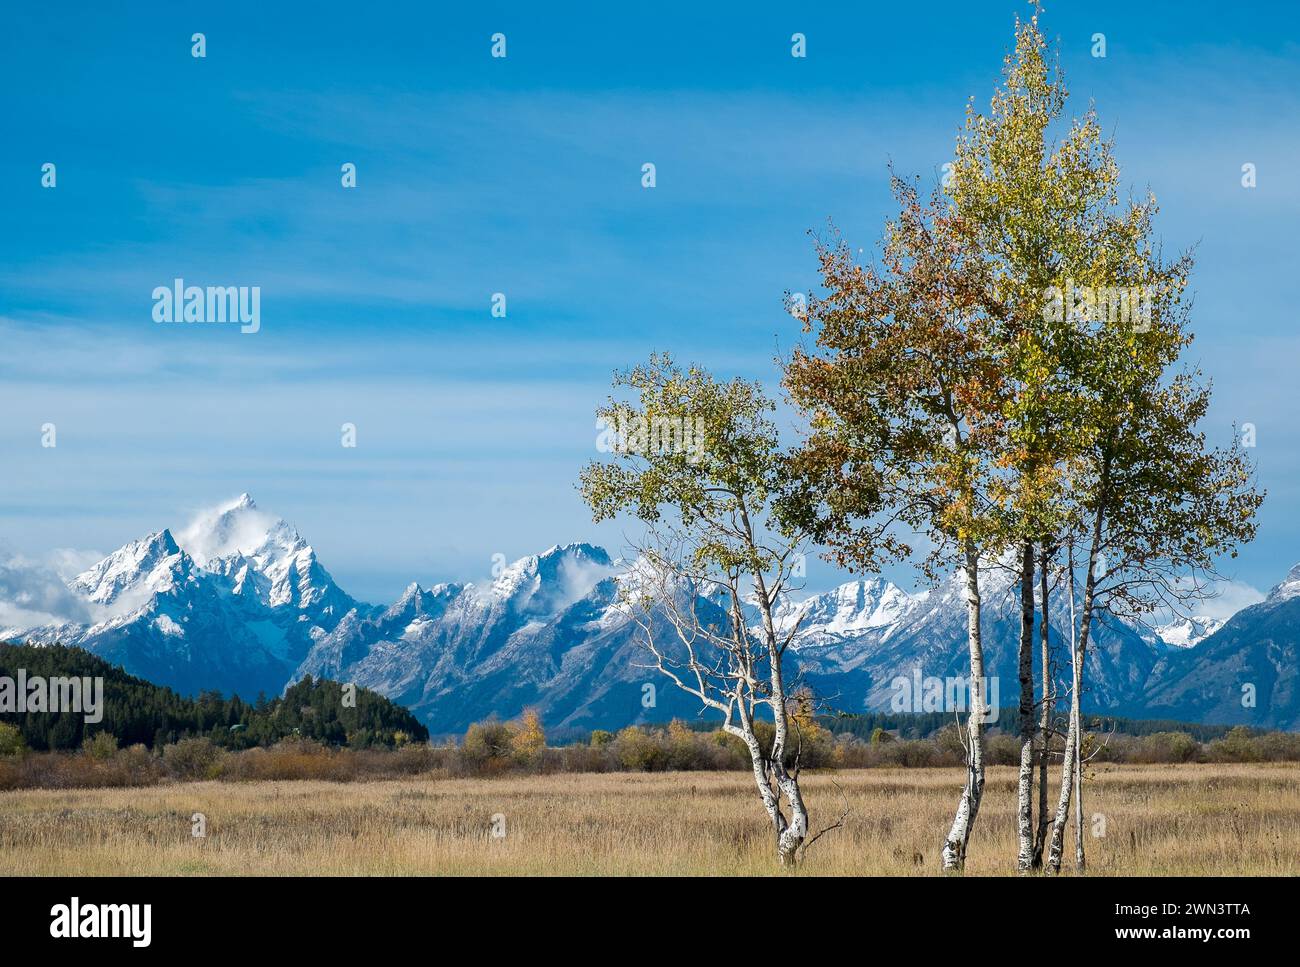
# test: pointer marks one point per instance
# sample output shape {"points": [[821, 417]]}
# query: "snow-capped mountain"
{"points": [[238, 613], [897, 635], [1186, 632], [848, 611], [127, 577], [548, 632], [1286, 589], [1245, 673], [456, 652], [264, 557], [238, 601]]}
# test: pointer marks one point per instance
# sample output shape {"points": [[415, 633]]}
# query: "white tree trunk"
{"points": [[1025, 787], [789, 835], [791, 838], [1078, 803], [1046, 710], [954, 847], [771, 800], [1069, 770]]}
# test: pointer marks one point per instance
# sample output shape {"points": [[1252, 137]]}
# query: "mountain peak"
{"points": [[237, 527], [412, 601], [413, 592], [561, 574], [577, 549], [1188, 632], [1287, 589], [852, 608], [139, 568]]}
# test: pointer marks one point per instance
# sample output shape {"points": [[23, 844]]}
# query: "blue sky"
{"points": [[479, 175]]}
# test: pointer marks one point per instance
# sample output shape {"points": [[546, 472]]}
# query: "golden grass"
{"points": [[1159, 819]]}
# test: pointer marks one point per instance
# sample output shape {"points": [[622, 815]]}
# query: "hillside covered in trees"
{"points": [[137, 711]]}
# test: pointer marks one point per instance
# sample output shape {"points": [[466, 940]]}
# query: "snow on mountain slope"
{"points": [[264, 556], [927, 631], [846, 611], [549, 633], [185, 631], [543, 633], [1187, 632], [1286, 589], [238, 614], [1245, 673], [125, 579], [238, 601]]}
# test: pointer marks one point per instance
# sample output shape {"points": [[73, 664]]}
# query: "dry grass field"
{"points": [[1185, 819]]}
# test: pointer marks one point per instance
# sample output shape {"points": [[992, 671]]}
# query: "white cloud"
{"points": [[68, 562], [1230, 597], [220, 531], [32, 593], [1222, 600]]}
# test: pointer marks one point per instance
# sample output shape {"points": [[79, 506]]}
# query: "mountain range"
{"points": [[239, 602]]}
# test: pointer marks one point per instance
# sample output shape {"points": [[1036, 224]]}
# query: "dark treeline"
{"points": [[137, 712]]}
